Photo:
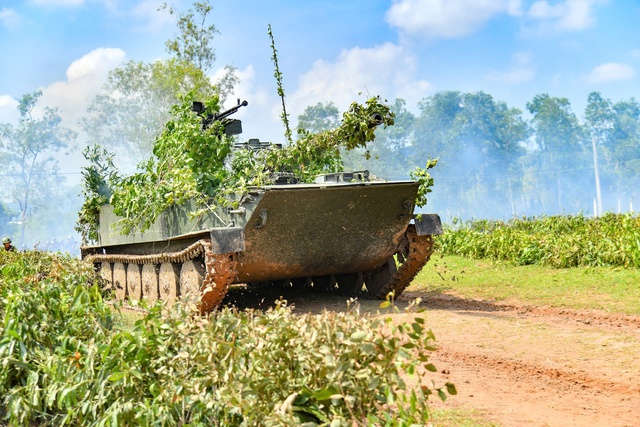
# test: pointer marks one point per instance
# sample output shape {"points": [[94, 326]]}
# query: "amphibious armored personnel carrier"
{"points": [[345, 232]]}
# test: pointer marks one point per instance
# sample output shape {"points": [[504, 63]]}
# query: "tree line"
{"points": [[495, 162]]}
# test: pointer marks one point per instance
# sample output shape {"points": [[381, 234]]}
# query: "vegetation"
{"points": [[190, 163], [96, 191], [461, 417], [557, 241], [66, 361], [495, 163]]}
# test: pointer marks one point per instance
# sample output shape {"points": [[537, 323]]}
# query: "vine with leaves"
{"points": [[278, 75]]}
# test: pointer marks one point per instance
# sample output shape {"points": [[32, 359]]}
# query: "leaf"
{"points": [[325, 393], [358, 336], [430, 367], [451, 388], [116, 376]]}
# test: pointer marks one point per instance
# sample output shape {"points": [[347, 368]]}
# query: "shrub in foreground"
{"points": [[65, 362]]}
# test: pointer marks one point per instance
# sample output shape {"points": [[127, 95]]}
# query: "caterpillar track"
{"points": [[414, 252], [198, 275], [194, 273]]}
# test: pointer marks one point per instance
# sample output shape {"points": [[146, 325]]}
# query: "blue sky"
{"points": [[333, 50]]}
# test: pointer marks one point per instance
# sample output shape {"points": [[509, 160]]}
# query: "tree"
{"points": [[598, 126], [495, 131], [319, 117], [479, 142], [6, 215], [194, 43], [599, 118], [386, 156], [27, 157], [135, 103], [556, 164], [623, 147]]}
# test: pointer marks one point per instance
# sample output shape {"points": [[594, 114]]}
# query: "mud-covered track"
{"points": [[193, 273]]}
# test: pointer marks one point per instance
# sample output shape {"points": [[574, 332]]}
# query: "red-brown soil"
{"points": [[525, 366], [534, 366]]}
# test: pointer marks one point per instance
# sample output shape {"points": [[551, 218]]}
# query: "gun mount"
{"points": [[231, 127]]}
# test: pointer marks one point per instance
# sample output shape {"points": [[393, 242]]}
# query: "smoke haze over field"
{"points": [[344, 51]]}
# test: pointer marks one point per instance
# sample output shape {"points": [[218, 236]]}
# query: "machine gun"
{"points": [[231, 127]]}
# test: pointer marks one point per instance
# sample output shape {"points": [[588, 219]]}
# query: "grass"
{"points": [[613, 290], [459, 417]]}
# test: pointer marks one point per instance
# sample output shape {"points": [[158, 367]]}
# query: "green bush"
{"points": [[65, 362], [557, 241]]}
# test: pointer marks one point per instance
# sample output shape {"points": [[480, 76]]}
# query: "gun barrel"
{"points": [[375, 119], [198, 107], [231, 110]]}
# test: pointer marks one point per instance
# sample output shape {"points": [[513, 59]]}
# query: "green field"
{"points": [[570, 261], [611, 289]]}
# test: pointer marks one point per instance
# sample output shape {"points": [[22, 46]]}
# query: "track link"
{"points": [[416, 251], [220, 269]]}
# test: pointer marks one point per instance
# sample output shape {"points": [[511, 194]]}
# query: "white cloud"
{"points": [[85, 76], [245, 90], [8, 110], [522, 58], [387, 70], [611, 71], [447, 18], [153, 20], [568, 15], [9, 18], [521, 70]]}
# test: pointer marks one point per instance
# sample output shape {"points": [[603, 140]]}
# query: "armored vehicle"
{"points": [[346, 232]]}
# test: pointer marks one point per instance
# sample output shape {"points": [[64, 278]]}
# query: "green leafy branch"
{"points": [[188, 164], [278, 75], [97, 179], [425, 179]]}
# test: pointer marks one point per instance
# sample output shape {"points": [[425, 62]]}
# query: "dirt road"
{"points": [[538, 366], [527, 366]]}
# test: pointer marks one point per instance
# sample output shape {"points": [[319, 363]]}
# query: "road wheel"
{"points": [[168, 280]]}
